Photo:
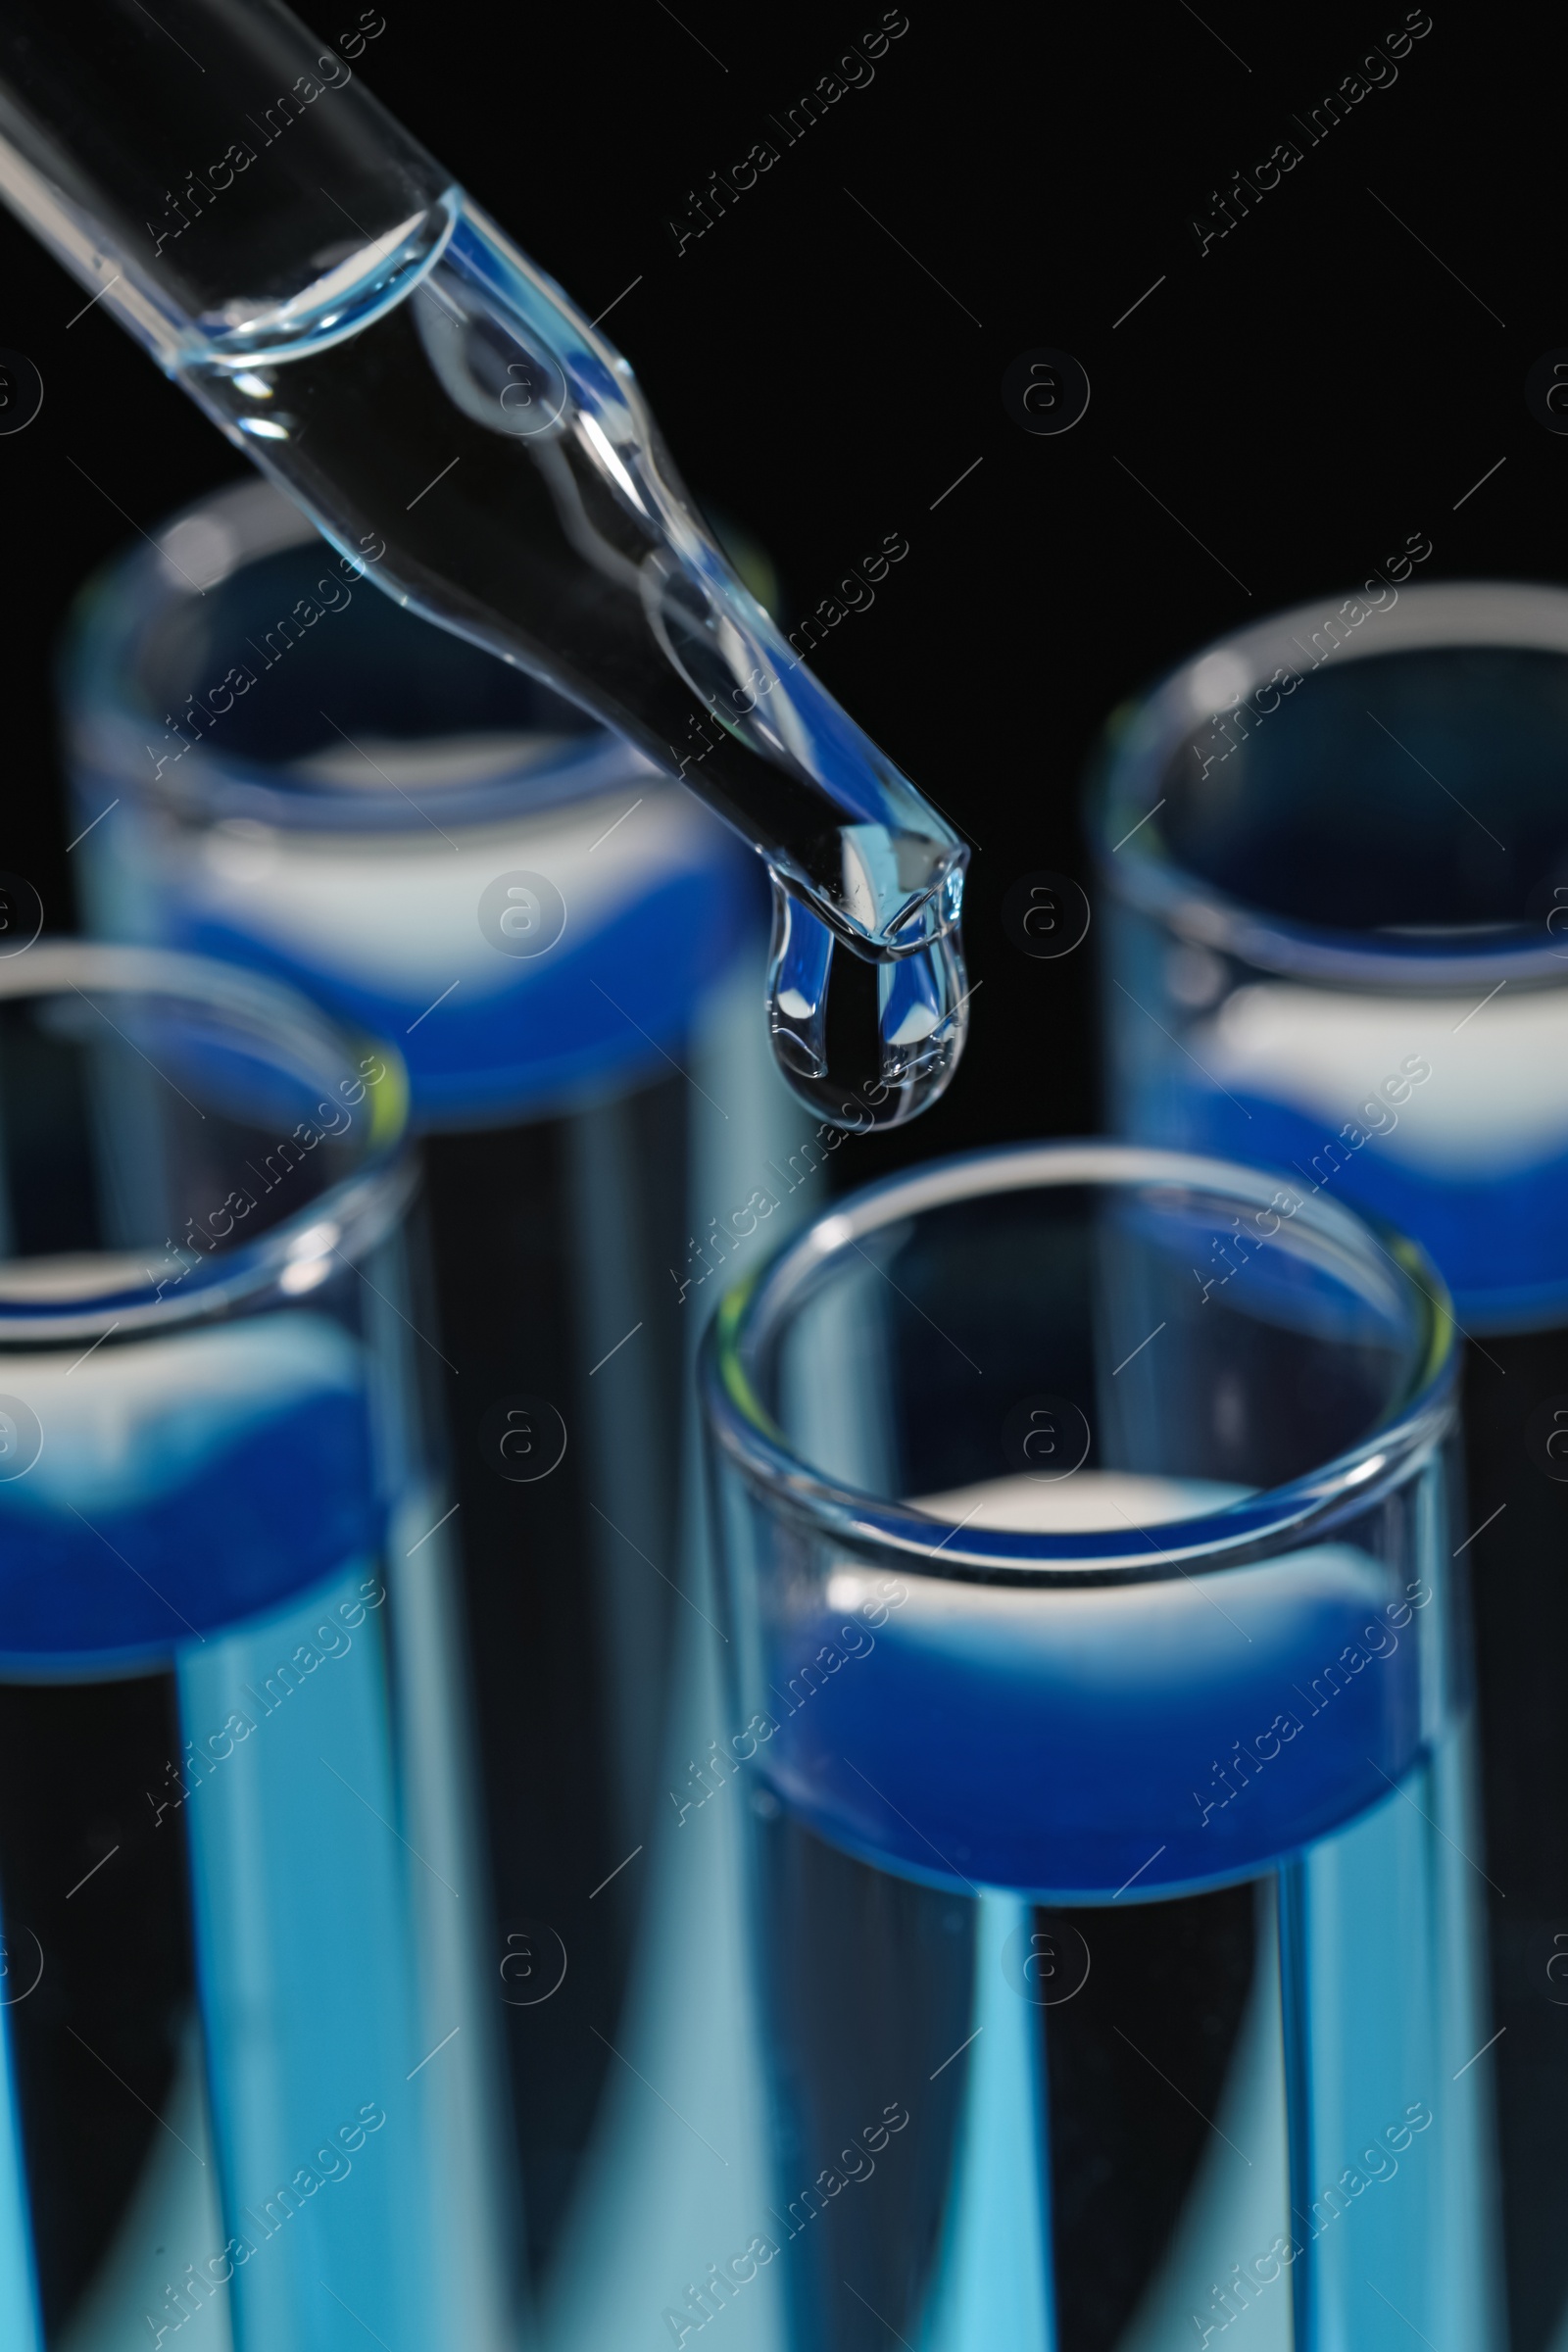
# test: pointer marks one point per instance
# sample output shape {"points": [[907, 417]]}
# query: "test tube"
{"points": [[221, 1686], [568, 950], [1334, 855], [1103, 1659]]}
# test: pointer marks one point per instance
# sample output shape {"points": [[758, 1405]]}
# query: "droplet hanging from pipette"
{"points": [[548, 527], [864, 1044]]}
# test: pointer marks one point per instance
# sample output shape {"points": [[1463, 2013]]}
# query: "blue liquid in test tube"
{"points": [[1335, 861], [569, 950], [218, 1983], [1119, 1941]]}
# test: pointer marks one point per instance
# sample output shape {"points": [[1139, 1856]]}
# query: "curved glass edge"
{"points": [[54, 1667], [107, 723], [1280, 1519], [824, 750], [87, 236], [344, 1222], [343, 301], [1128, 769], [830, 1826], [853, 774]]}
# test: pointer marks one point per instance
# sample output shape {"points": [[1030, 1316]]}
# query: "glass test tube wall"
{"points": [[1100, 2022], [569, 950], [221, 1669], [1334, 851]]}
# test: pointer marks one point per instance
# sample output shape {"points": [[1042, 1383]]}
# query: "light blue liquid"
{"points": [[951, 1770], [306, 1948], [315, 870], [232, 1539], [1371, 853], [1350, 2146]]}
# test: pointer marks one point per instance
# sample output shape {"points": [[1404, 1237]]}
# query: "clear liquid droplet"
{"points": [[862, 1044], [466, 357]]}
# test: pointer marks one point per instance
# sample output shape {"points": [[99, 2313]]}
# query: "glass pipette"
{"points": [[227, 185]]}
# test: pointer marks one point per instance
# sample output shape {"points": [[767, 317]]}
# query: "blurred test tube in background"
{"points": [[1333, 851], [221, 1676], [286, 770]]}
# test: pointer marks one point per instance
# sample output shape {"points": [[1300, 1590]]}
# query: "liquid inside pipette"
{"points": [[451, 422]]}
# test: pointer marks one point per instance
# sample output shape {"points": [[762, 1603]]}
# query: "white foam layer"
{"points": [[123, 1425], [1496, 1099], [1207, 1624], [400, 911], [432, 766], [1087, 1500], [1116, 1637]]}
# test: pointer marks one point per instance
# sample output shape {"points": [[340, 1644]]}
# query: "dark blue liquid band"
{"points": [[559, 1029], [957, 1748], [222, 1514]]}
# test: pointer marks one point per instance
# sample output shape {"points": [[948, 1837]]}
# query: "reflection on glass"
{"points": [[223, 1955], [569, 950], [1102, 1663], [467, 439], [1334, 943]]}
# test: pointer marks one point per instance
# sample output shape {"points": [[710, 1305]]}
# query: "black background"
{"points": [[1303, 397]]}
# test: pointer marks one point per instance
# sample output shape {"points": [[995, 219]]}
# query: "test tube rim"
{"points": [[1263, 1526], [1128, 774], [363, 1206], [104, 643]]}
